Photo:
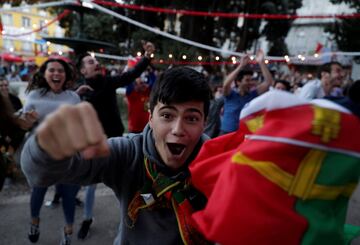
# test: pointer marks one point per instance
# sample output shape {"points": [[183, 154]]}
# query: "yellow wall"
{"points": [[34, 15]]}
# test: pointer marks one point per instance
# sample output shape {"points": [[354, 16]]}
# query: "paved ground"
{"points": [[14, 217], [15, 213]]}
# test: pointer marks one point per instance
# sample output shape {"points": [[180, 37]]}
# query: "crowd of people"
{"points": [[167, 172]]}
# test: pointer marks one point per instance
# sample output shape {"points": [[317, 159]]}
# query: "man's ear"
{"points": [[325, 74], [150, 120], [82, 70]]}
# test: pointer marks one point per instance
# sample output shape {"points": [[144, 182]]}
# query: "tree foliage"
{"points": [[207, 30], [346, 31]]}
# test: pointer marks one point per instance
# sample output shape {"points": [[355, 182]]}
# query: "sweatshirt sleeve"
{"points": [[130, 75], [41, 170], [309, 91]]}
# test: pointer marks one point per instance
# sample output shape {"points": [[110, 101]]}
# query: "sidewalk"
{"points": [[15, 213], [15, 217]]}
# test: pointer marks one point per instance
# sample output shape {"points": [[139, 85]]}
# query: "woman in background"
{"points": [[46, 92]]}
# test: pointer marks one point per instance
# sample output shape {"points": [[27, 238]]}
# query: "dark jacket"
{"points": [[104, 99], [124, 172]]}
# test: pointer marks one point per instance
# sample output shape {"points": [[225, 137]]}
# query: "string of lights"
{"points": [[286, 58], [185, 60], [217, 60]]}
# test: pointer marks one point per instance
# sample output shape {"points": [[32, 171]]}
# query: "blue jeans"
{"points": [[89, 201], [68, 194]]}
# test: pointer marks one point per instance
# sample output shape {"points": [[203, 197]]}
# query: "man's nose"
{"points": [[178, 127]]}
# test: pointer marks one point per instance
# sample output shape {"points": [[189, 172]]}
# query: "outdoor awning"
{"points": [[11, 57]]}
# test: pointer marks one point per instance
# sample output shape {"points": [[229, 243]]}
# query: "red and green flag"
{"points": [[288, 181]]}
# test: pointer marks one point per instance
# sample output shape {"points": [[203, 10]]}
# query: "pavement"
{"points": [[15, 217]]}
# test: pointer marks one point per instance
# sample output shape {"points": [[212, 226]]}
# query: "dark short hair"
{"points": [[285, 83], [79, 60], [3, 78], [243, 73], [179, 85], [327, 67], [38, 80]]}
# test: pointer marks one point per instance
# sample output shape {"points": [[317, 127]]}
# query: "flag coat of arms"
{"points": [[284, 177]]}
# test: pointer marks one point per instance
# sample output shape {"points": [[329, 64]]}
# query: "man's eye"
{"points": [[193, 119], [166, 115]]}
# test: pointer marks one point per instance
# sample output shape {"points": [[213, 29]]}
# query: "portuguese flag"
{"points": [[284, 177]]}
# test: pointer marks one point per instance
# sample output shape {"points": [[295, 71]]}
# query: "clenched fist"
{"points": [[71, 129]]}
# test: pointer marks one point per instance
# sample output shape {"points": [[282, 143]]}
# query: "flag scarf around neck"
{"points": [[284, 177], [160, 191]]}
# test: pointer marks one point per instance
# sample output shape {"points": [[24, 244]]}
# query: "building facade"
{"points": [[20, 34]]}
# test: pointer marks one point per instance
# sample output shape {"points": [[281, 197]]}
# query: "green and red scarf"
{"points": [[160, 191]]}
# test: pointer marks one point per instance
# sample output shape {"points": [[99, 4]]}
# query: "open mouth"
{"points": [[56, 81], [176, 149]]}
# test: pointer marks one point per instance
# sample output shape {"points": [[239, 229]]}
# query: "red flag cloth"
{"points": [[209, 163], [260, 191], [318, 48]]}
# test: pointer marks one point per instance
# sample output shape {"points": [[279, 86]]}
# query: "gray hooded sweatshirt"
{"points": [[123, 171]]}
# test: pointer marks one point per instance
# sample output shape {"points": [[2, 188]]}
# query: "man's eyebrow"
{"points": [[168, 107], [174, 108], [194, 110]]}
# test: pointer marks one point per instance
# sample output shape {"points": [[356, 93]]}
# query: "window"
{"points": [[27, 46], [8, 44], [7, 19], [43, 30], [26, 22]]}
